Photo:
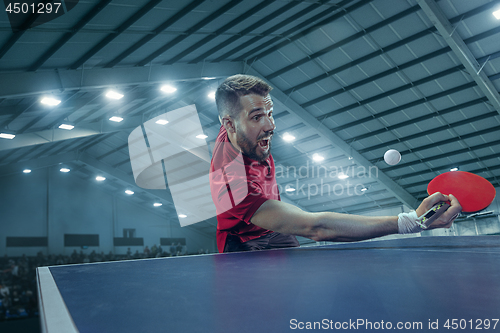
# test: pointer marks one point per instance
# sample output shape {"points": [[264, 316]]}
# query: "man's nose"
{"points": [[269, 124]]}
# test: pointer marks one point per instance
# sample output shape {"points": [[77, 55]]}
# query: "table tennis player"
{"points": [[250, 214]]}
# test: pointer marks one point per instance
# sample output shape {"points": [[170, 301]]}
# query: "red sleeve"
{"points": [[235, 195]]}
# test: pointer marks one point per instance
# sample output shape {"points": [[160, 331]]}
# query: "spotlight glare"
{"points": [[66, 127], [168, 89], [64, 170], [212, 95], [116, 119], [7, 136], [318, 158], [50, 101], [201, 136], [454, 169], [157, 204], [182, 216], [343, 176], [497, 14], [162, 121], [26, 171], [288, 137], [129, 192], [289, 189], [114, 95], [100, 178]]}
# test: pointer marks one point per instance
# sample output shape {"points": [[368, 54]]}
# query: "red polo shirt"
{"points": [[239, 186]]}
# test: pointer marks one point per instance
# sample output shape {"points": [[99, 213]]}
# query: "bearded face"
{"points": [[255, 126], [258, 149]]}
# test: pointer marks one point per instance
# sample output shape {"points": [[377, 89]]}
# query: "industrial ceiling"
{"points": [[351, 80]]}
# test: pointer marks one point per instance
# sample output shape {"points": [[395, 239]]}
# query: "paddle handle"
{"points": [[432, 214]]}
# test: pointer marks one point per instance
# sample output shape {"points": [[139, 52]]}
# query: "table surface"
{"points": [[407, 281]]}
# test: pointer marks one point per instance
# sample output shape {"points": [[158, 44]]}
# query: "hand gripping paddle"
{"points": [[472, 191]]}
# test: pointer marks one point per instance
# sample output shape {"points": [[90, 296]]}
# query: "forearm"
{"points": [[336, 227], [324, 226]]}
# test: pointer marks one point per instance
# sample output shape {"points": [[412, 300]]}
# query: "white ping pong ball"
{"points": [[392, 157]]}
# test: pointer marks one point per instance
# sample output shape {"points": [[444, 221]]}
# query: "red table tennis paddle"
{"points": [[472, 191]]}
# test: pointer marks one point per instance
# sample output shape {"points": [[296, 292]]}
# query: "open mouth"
{"points": [[264, 144]]}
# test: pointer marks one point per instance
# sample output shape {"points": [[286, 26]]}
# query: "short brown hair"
{"points": [[228, 93]]}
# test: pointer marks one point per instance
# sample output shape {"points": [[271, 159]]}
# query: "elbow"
{"points": [[321, 230], [317, 231], [318, 235]]}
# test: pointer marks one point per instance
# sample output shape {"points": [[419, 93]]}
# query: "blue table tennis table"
{"points": [[427, 284]]}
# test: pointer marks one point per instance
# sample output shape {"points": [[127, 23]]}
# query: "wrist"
{"points": [[407, 223]]}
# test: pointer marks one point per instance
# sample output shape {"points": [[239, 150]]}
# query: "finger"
{"points": [[454, 210], [437, 197], [430, 201]]}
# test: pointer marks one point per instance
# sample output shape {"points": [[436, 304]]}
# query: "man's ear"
{"points": [[228, 124]]}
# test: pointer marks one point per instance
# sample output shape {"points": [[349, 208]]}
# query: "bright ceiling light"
{"points": [[157, 204], [497, 14], [50, 101], [454, 169], [100, 178], [116, 119], [318, 158], [66, 127], [64, 170], [364, 189], [288, 137], [162, 121], [168, 89], [182, 216], [201, 136], [289, 189], [113, 94], [26, 171], [7, 136], [211, 95], [129, 192], [343, 176]]}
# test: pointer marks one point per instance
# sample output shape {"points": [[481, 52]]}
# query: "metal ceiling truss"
{"points": [[248, 14], [460, 49], [68, 35], [313, 20], [452, 140], [424, 118], [443, 155], [381, 51], [110, 37], [404, 106], [189, 32], [245, 31], [18, 33], [272, 29], [176, 17], [431, 131], [37, 83], [345, 41]]}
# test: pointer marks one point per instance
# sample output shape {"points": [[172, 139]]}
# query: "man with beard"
{"points": [[250, 214]]}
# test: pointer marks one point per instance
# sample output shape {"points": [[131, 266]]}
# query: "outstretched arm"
{"points": [[329, 226]]}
